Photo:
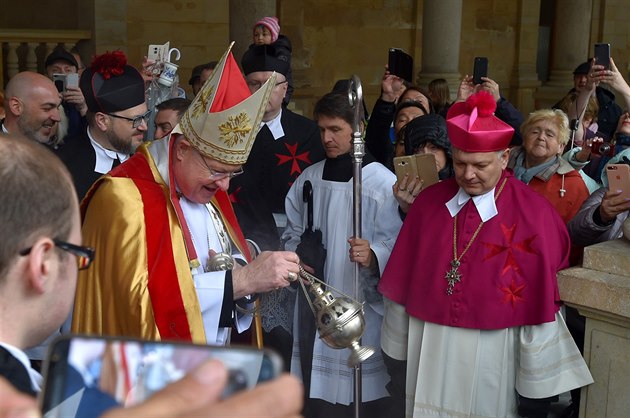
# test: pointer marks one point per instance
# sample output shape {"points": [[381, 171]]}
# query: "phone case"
{"points": [[602, 55], [400, 64], [619, 178], [125, 371], [426, 169], [158, 52], [405, 165], [480, 69], [72, 80]]}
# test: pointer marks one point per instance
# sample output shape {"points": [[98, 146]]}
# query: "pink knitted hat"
{"points": [[271, 23]]}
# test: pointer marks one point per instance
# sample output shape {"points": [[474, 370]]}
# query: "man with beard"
{"points": [[117, 120], [32, 107]]}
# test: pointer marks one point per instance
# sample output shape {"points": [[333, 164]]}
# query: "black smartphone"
{"points": [[85, 375], [602, 55], [400, 64], [480, 69], [60, 82]]}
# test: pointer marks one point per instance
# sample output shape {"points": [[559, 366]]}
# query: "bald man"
{"points": [[31, 103]]}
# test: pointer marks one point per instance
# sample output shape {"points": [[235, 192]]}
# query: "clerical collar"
{"points": [[485, 204], [275, 126], [4, 129], [340, 168], [104, 157], [35, 377]]}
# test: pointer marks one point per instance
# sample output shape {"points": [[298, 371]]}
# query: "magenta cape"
{"points": [[508, 274]]}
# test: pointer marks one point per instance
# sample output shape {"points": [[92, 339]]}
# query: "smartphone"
{"points": [[158, 53], [602, 55], [60, 82], [619, 178], [427, 169], [405, 165], [400, 64], [86, 375], [480, 69], [72, 80]]}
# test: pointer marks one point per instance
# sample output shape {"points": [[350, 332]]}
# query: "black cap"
{"points": [[110, 85], [263, 58], [61, 55], [582, 68], [428, 128], [196, 72]]}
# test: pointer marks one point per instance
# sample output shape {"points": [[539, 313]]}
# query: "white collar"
{"points": [[104, 157], [4, 129], [36, 378], [485, 204], [275, 126]]}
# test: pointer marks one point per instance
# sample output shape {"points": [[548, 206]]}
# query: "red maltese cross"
{"points": [[295, 167], [510, 247]]}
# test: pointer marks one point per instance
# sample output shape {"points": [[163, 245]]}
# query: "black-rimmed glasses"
{"points": [[85, 255], [220, 175], [135, 121], [255, 85]]}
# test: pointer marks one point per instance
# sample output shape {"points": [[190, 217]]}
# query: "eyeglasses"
{"points": [[255, 85], [220, 175], [135, 121], [85, 255]]}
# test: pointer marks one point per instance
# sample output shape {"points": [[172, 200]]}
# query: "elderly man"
{"points": [[31, 103], [63, 62], [117, 116], [170, 247], [39, 258], [472, 303]]}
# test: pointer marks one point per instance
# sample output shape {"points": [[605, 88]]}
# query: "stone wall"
{"points": [[331, 39]]}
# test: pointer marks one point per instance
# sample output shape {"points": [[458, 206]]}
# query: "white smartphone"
{"points": [[87, 375], [158, 53]]}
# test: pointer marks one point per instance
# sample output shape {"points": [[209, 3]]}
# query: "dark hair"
{"points": [[425, 129], [38, 197], [335, 105], [421, 90], [409, 103], [441, 93], [178, 104]]}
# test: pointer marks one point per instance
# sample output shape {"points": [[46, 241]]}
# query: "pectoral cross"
{"points": [[452, 276]]}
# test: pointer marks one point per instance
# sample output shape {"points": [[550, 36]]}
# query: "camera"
{"points": [[603, 148]]}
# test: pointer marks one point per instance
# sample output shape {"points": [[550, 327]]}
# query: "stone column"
{"points": [[570, 46], [524, 77], [440, 46], [243, 14]]}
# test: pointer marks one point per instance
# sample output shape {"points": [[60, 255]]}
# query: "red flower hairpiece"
{"points": [[484, 102], [109, 64]]}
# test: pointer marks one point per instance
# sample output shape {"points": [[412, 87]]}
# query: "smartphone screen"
{"points": [[85, 376], [480, 69], [602, 55]]}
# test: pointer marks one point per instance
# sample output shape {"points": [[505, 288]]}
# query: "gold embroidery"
{"points": [[201, 105], [235, 129]]}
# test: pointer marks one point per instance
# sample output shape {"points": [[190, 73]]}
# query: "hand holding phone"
{"points": [[115, 372], [480, 69]]}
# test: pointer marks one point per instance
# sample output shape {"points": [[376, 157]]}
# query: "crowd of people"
{"points": [[205, 231]]}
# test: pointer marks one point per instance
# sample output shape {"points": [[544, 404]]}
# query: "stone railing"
{"points": [[26, 49]]}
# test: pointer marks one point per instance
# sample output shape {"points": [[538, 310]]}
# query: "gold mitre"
{"points": [[224, 118]]}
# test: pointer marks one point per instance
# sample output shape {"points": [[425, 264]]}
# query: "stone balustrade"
{"points": [[600, 290], [26, 49]]}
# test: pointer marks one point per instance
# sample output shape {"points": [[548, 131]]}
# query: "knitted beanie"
{"points": [[271, 23]]}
